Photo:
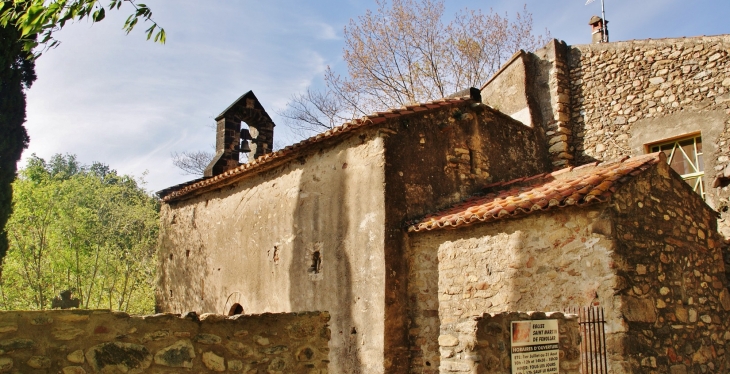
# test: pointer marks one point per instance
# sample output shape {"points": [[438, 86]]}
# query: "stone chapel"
{"points": [[589, 175]]}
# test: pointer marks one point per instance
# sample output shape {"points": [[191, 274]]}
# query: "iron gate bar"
{"points": [[592, 327]]}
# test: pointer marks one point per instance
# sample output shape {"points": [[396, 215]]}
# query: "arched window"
{"points": [[235, 309]]}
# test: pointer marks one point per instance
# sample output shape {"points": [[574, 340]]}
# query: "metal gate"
{"points": [[592, 323]]}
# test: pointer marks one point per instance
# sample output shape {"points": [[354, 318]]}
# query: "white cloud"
{"points": [[129, 103]]}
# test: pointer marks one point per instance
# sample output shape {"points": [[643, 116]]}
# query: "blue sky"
{"points": [[130, 103]]}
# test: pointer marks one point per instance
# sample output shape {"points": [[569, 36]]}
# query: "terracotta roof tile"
{"points": [[582, 185], [183, 189]]}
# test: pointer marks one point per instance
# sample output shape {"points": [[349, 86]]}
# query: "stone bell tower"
{"points": [[231, 139]]}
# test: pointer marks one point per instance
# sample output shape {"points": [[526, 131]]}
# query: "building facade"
{"points": [[589, 175]]}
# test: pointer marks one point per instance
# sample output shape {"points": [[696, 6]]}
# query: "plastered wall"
{"points": [[307, 235], [506, 91], [100, 341]]}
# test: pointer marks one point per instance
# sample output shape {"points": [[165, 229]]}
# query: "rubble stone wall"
{"points": [[482, 344], [670, 279], [100, 341], [544, 261], [626, 95], [551, 93]]}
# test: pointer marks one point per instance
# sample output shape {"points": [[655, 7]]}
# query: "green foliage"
{"points": [[37, 20], [16, 73], [81, 228], [24, 24]]}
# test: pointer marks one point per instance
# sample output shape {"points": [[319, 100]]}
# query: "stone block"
{"points": [[76, 357], [214, 362], [558, 147], [638, 310], [180, 355], [448, 340], [39, 362], [118, 356], [725, 299], [6, 363], [74, 370]]}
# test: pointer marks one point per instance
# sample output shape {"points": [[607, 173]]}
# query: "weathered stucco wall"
{"points": [[307, 235], [506, 91], [434, 160], [628, 94], [671, 279], [482, 344], [94, 341], [546, 261]]}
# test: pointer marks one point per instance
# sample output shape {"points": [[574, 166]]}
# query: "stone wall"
{"points": [[625, 95], [92, 341], [435, 159], [545, 261], [482, 344], [550, 95], [671, 279], [305, 235]]}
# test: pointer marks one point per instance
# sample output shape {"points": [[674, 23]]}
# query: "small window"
{"points": [[684, 155], [235, 310]]}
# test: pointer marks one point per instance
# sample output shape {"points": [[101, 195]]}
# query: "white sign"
{"points": [[535, 348]]}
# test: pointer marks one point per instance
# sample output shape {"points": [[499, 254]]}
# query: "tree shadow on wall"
{"points": [[320, 273], [184, 291]]}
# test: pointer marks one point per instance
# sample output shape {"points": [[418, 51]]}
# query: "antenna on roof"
{"points": [[604, 28]]}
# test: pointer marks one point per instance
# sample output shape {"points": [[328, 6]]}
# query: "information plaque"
{"points": [[535, 347]]}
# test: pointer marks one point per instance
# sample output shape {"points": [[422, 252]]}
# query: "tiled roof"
{"points": [[183, 189], [582, 185]]}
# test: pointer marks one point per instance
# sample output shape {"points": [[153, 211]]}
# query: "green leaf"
{"points": [[160, 36], [34, 15], [98, 15], [149, 31]]}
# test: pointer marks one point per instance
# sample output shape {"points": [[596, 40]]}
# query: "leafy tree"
{"points": [[403, 53], [16, 74], [37, 20], [24, 24], [81, 228]]}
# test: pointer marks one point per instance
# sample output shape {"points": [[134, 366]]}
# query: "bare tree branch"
{"points": [[313, 112], [404, 52], [193, 163]]}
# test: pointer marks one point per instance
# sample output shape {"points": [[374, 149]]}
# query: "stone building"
{"points": [[562, 179]]}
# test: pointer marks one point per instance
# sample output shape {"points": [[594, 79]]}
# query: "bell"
{"points": [[244, 148]]}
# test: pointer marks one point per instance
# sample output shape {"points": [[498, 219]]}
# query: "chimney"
{"points": [[231, 140], [599, 31]]}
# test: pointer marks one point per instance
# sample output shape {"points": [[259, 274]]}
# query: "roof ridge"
{"points": [[186, 188]]}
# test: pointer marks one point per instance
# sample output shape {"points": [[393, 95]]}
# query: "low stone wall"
{"points": [[482, 344], [92, 341]]}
